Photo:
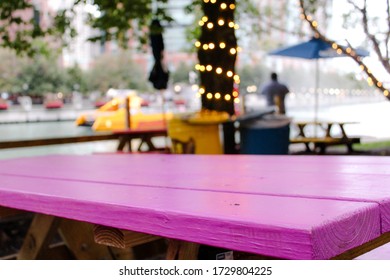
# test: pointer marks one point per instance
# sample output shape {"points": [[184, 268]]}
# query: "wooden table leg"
{"points": [[148, 141], [328, 129], [123, 141], [182, 250], [40, 234], [78, 237]]}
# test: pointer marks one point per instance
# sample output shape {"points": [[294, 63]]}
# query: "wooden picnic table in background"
{"points": [[126, 136], [327, 139], [260, 204]]}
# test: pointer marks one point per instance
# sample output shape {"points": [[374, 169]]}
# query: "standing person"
{"points": [[275, 93]]}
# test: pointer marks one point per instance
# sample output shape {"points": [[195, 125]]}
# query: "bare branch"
{"points": [[388, 29], [349, 51]]}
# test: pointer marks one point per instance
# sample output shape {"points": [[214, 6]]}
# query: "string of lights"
{"points": [[349, 51], [217, 51]]}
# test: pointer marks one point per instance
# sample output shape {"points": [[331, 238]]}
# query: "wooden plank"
{"points": [[39, 236], [378, 248], [55, 141], [298, 228], [78, 236], [121, 238], [325, 140], [354, 178], [182, 250]]}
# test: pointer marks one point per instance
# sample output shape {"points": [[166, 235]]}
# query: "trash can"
{"points": [[202, 127], [269, 135]]}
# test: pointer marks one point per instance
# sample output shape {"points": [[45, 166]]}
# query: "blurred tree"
{"points": [[10, 66], [253, 75], [116, 71], [41, 76], [181, 73], [374, 25], [121, 20], [77, 79]]}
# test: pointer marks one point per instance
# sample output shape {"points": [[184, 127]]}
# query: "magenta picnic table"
{"points": [[280, 206]]}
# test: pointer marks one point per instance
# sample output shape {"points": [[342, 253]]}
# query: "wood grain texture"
{"points": [[78, 236], [354, 178], [40, 234], [284, 227], [121, 238]]}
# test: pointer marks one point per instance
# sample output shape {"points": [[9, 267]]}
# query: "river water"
{"points": [[371, 114]]}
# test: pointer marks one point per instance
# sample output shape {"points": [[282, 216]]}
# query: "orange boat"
{"points": [[112, 116]]}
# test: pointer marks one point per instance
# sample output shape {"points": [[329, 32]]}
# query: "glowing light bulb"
{"points": [[236, 26], [197, 66], [314, 24], [386, 93], [205, 47], [235, 93], [231, 24], [202, 91], [237, 100], [236, 78], [379, 84], [210, 25], [211, 46], [221, 22], [229, 73], [197, 44], [201, 23], [202, 68], [334, 46], [209, 95], [209, 68], [233, 51], [223, 6], [222, 45], [205, 19], [232, 6], [218, 70], [213, 1], [227, 97], [217, 95]]}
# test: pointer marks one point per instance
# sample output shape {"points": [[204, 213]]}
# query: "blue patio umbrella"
{"points": [[314, 49]]}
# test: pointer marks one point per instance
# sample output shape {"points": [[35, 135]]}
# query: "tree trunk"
{"points": [[217, 52]]}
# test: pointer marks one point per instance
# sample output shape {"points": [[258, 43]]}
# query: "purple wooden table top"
{"points": [[283, 206]]}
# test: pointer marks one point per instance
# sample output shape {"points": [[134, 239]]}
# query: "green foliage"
{"points": [[256, 74], [42, 76], [181, 73], [116, 71]]}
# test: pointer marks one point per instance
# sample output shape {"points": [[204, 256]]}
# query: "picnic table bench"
{"points": [[265, 205], [124, 138], [328, 139]]}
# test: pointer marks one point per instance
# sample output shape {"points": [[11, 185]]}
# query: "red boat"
{"points": [[53, 102], [3, 105]]}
